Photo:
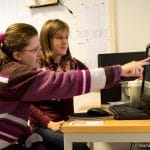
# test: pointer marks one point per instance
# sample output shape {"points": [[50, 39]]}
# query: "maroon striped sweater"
{"points": [[21, 86]]}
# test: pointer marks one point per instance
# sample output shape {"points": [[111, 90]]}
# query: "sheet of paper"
{"points": [[86, 123]]}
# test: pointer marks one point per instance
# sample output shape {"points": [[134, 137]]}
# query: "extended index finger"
{"points": [[145, 61]]}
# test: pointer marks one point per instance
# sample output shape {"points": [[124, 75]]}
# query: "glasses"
{"points": [[35, 50]]}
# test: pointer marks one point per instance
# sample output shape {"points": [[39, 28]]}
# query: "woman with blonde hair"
{"points": [[48, 116], [57, 57]]}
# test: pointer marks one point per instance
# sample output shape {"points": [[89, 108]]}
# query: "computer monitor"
{"points": [[145, 90], [114, 94]]}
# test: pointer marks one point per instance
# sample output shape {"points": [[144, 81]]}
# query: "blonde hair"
{"points": [[48, 31]]}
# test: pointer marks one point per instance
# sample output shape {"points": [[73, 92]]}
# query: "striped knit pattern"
{"points": [[20, 87]]}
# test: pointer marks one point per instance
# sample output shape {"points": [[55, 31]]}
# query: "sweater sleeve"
{"points": [[112, 75], [41, 85], [57, 84], [38, 117], [105, 77]]}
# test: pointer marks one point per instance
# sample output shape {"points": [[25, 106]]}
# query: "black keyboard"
{"points": [[126, 112]]}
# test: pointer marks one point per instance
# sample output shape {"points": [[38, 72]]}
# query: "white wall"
{"points": [[132, 18], [88, 24], [133, 24]]}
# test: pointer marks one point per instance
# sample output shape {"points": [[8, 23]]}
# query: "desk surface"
{"points": [[110, 131], [110, 125]]}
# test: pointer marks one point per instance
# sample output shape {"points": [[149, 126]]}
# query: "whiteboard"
{"points": [[89, 32]]}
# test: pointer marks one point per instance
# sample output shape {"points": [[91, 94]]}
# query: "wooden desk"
{"points": [[111, 131]]}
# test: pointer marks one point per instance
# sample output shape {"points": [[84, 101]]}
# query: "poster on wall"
{"points": [[93, 33]]}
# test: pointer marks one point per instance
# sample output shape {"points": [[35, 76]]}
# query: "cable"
{"points": [[69, 10]]}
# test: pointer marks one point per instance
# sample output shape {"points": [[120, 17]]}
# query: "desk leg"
{"points": [[67, 142], [91, 145]]}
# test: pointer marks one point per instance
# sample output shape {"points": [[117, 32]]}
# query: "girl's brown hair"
{"points": [[16, 38], [48, 31]]}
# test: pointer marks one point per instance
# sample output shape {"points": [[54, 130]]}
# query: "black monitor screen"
{"points": [[145, 94], [108, 59]]}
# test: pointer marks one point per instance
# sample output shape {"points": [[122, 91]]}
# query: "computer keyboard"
{"points": [[126, 112]]}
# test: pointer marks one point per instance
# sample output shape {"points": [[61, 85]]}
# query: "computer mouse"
{"points": [[97, 112]]}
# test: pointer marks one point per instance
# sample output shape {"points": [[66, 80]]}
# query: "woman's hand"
{"points": [[134, 68], [55, 126]]}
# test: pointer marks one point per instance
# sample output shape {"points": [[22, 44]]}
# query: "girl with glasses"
{"points": [[23, 82]]}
